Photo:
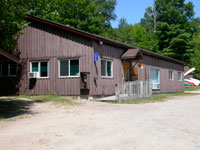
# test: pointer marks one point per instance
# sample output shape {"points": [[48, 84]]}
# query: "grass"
{"points": [[153, 99], [192, 88], [50, 98]]}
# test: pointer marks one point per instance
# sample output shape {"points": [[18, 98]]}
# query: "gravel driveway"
{"points": [[170, 125]]}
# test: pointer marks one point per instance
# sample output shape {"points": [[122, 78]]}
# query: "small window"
{"points": [[69, 68], [171, 75], [155, 78], [8, 70], [179, 76], [106, 68], [42, 67]]}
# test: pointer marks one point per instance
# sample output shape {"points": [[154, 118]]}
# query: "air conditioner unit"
{"points": [[33, 75]]}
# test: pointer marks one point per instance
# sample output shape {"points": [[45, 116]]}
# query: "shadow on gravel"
{"points": [[10, 107]]}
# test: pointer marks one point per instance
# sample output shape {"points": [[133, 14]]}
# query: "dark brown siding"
{"points": [[166, 85], [42, 42], [106, 86]]}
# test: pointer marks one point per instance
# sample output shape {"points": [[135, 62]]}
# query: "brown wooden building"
{"points": [[58, 59]]}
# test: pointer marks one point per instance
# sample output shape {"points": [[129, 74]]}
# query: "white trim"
{"points": [[106, 76], [181, 76], [39, 62], [158, 79], [69, 62], [170, 71]]}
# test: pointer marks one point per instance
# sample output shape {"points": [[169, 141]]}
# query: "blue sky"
{"points": [[133, 10]]}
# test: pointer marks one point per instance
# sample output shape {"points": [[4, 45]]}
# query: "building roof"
{"points": [[9, 56], [134, 54], [100, 38]]}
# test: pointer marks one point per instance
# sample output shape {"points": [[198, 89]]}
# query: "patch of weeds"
{"points": [[192, 88], [155, 98], [50, 98]]}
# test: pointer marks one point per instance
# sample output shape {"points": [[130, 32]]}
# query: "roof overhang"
{"points": [[9, 56], [132, 54]]}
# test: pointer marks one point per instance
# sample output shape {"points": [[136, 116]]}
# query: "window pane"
{"points": [[103, 68], [64, 68], [35, 67], [43, 69], [13, 69], [74, 67], [179, 76], [109, 67], [170, 75], [4, 69], [155, 79]]}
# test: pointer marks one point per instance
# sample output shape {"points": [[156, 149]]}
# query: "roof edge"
{"points": [[100, 38]]}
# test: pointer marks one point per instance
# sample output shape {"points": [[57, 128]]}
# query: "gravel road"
{"points": [[170, 125]]}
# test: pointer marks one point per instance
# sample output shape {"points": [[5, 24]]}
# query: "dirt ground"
{"points": [[170, 125]]}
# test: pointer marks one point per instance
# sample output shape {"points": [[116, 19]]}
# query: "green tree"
{"points": [[134, 35], [11, 22], [173, 27], [89, 15]]}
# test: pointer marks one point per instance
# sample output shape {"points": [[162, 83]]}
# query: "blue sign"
{"points": [[96, 55]]}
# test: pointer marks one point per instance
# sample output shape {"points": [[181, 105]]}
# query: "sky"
{"points": [[133, 10]]}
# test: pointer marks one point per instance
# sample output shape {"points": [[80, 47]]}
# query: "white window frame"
{"points": [[69, 62], [158, 78], [106, 68], [181, 76], [39, 68], [170, 71]]}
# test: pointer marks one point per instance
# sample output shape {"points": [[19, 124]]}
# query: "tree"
{"points": [[89, 15], [11, 22], [134, 35], [173, 28]]}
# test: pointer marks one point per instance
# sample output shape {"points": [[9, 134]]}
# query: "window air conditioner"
{"points": [[33, 75]]}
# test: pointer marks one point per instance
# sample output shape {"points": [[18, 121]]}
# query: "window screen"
{"points": [[179, 76], [171, 75], [35, 67], [74, 67], [64, 68], [103, 68], [106, 68], [43, 69], [155, 78]]}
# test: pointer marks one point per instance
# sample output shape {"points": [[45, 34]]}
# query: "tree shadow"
{"points": [[10, 107]]}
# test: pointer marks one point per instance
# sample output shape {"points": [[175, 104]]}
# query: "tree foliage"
{"points": [[11, 22], [89, 15], [132, 34], [173, 27]]}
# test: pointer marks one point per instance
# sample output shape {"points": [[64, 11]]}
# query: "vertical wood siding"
{"points": [[166, 85], [106, 86], [42, 42]]}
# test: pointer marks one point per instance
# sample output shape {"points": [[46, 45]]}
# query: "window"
{"points": [[69, 68], [171, 75], [42, 67], [179, 76], [155, 78], [8, 70], [106, 68]]}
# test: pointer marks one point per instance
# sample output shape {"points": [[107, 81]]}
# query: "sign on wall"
{"points": [[96, 55]]}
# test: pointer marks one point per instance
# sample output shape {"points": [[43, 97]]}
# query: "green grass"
{"points": [[50, 98], [153, 99], [192, 88]]}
